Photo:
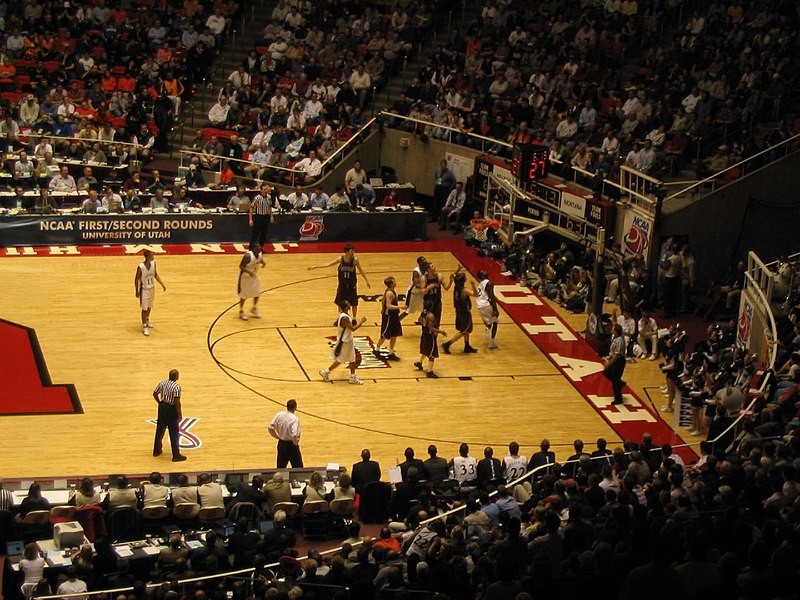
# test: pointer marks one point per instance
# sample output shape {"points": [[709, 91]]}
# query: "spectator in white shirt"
{"points": [[218, 114], [73, 585], [567, 128], [311, 165], [632, 104], [361, 83], [216, 23], [239, 78], [63, 182], [312, 109], [298, 198]]}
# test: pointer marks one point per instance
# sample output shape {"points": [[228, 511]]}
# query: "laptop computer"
{"points": [[14, 549]]}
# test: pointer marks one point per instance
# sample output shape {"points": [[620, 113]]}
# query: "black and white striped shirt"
{"points": [[169, 391], [6, 500], [262, 205]]}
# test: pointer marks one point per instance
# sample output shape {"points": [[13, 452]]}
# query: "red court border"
{"points": [[566, 349]]}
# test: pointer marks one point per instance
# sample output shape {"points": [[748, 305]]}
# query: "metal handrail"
{"points": [[744, 161], [334, 157], [477, 136]]}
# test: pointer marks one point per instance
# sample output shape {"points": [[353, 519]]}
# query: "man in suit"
{"points": [[365, 472], [489, 468], [435, 468], [250, 493], [543, 460], [409, 462]]}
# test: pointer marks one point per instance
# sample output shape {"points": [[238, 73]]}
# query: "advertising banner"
{"points": [[180, 228]]}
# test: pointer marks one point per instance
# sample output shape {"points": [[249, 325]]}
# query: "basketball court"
{"points": [[543, 381]]}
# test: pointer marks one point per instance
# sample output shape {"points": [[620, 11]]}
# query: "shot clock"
{"points": [[529, 162]]}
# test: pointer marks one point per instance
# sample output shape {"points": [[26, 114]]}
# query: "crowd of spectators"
{"points": [[304, 88], [605, 84], [72, 74], [613, 522]]}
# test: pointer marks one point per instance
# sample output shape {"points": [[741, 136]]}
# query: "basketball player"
{"points": [[416, 289], [463, 307], [464, 467], [145, 286], [433, 291], [514, 465], [345, 350], [391, 328], [249, 286], [427, 343], [346, 267], [487, 308]]}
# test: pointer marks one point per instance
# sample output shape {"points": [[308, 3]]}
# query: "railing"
{"points": [[482, 140], [745, 165], [294, 174], [635, 187]]}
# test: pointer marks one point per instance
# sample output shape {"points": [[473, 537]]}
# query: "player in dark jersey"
{"points": [[463, 307], [391, 328], [347, 288], [427, 343], [433, 291]]}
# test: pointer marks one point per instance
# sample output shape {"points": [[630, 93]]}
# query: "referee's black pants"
{"points": [[260, 229], [167, 419], [289, 453], [614, 374]]}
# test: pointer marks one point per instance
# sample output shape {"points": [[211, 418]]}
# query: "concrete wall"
{"points": [[418, 162]]}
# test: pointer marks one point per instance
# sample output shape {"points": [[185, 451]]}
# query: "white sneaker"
{"points": [[145, 331], [256, 314], [653, 357], [664, 389], [148, 324], [505, 273], [696, 433], [325, 374], [493, 346], [242, 316], [355, 381], [667, 409]]}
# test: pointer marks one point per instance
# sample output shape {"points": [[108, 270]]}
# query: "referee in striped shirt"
{"points": [[261, 215], [168, 396]]}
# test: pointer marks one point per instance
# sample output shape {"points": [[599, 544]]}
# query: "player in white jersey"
{"points": [[249, 286], [345, 351], [145, 285], [514, 465], [464, 467], [416, 288], [487, 308]]}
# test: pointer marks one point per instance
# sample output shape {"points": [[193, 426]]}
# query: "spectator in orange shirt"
{"points": [[108, 83]]}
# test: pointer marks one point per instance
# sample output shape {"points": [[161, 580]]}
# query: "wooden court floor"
{"points": [[236, 375]]}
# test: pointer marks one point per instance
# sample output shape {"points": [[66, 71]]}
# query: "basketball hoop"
{"points": [[481, 226]]}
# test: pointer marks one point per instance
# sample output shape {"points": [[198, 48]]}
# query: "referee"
{"points": [[261, 215], [285, 427], [168, 396], [615, 365]]}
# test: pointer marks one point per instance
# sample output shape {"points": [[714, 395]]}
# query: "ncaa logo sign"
{"points": [[637, 238], [311, 229], [745, 324]]}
